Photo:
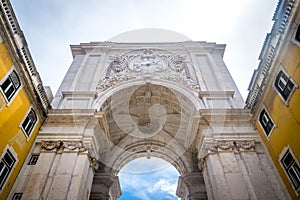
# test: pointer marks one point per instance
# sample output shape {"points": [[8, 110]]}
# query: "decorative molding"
{"points": [[138, 150], [246, 145], [63, 146], [218, 146], [224, 94], [79, 94], [148, 63]]}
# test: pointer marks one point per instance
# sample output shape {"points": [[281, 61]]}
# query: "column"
{"points": [[63, 171], [232, 170]]}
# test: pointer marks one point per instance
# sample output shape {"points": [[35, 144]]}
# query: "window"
{"points": [[284, 85], [33, 159], [297, 35], [17, 196], [10, 85], [29, 122], [292, 169], [7, 163], [266, 122]]}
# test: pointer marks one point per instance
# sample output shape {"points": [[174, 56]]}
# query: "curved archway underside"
{"points": [[149, 121]]}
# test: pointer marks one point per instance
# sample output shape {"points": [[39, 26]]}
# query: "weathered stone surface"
{"points": [[229, 163], [60, 186], [236, 186], [35, 186]]}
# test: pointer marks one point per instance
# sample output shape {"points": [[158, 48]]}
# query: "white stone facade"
{"points": [[175, 101]]}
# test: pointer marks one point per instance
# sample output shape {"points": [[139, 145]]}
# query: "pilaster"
{"points": [[232, 159], [232, 169], [68, 145], [63, 171]]}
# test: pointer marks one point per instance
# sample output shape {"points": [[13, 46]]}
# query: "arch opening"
{"points": [[147, 120], [144, 178], [148, 117]]}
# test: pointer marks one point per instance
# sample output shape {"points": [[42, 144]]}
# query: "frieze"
{"points": [[245, 145], [227, 146], [148, 63], [63, 146]]}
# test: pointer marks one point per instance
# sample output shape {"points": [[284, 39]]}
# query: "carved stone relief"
{"points": [[148, 63], [226, 145], [63, 146]]}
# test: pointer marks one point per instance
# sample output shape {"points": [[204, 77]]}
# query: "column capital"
{"points": [[211, 146], [63, 146]]}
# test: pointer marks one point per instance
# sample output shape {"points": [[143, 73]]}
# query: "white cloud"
{"points": [[159, 183], [165, 186]]}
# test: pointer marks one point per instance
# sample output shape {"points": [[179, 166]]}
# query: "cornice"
{"points": [[225, 115], [271, 47], [84, 48], [21, 54]]}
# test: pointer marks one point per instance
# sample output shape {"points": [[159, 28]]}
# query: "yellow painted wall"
{"points": [[286, 118], [10, 118]]}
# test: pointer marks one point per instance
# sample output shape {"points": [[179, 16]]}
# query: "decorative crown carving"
{"points": [[148, 63]]}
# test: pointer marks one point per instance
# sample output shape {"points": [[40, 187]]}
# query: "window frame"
{"points": [[11, 168], [297, 30], [280, 91], [33, 159], [5, 78], [33, 126], [17, 196], [282, 155], [263, 126]]}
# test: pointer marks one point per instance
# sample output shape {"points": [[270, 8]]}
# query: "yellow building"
{"points": [[274, 94], [23, 101]]}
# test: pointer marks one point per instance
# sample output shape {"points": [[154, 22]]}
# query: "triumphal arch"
{"points": [[175, 101]]}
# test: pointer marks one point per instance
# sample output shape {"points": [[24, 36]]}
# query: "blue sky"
{"points": [[146, 179], [51, 26]]}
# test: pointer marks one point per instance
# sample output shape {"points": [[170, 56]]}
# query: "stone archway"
{"points": [[120, 101], [149, 120]]}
